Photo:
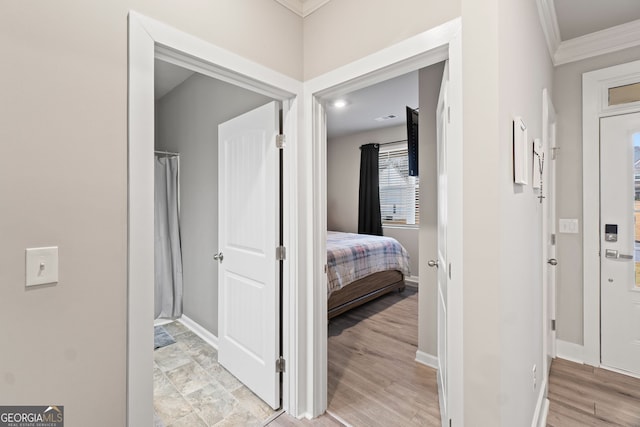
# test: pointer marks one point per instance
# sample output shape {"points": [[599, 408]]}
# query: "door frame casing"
{"points": [[150, 39], [595, 85], [435, 45]]}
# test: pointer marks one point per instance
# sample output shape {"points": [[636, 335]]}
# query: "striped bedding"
{"points": [[353, 256]]}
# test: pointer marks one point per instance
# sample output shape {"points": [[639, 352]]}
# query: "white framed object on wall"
{"points": [[520, 162]]}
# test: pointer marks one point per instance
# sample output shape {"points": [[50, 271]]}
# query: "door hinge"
{"points": [[280, 364], [281, 253], [553, 324], [553, 239], [280, 141], [450, 422], [325, 269], [449, 271]]}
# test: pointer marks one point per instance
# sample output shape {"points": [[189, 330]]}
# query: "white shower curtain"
{"points": [[168, 253]]}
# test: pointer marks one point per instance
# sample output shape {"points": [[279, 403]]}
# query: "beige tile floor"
{"points": [[192, 389]]}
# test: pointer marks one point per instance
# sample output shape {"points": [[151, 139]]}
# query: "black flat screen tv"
{"points": [[412, 140]]}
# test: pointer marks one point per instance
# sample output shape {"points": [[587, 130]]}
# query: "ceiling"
{"points": [[577, 18], [364, 106], [167, 77], [575, 29], [580, 29], [573, 19]]}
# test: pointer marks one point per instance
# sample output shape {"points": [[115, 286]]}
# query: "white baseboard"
{"points": [[427, 359], [570, 351], [444, 417], [273, 417], [542, 407], [339, 418], [545, 413], [620, 371], [207, 336], [412, 281], [162, 322]]}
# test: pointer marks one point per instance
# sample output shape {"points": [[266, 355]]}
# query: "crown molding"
{"points": [[587, 46], [599, 43], [293, 5], [303, 7], [310, 6], [549, 21]]}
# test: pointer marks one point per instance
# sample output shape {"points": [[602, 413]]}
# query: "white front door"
{"points": [[443, 277], [620, 241], [248, 278]]}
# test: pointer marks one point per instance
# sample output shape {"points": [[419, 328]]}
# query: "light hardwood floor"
{"points": [[581, 395], [373, 378]]}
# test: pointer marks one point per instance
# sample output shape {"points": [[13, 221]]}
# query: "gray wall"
{"points": [[343, 178], [525, 69], [187, 121], [64, 164], [567, 99], [368, 26]]}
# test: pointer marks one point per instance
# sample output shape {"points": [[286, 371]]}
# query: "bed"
{"points": [[362, 267]]}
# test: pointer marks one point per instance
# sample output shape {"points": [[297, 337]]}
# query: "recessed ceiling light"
{"points": [[340, 103]]}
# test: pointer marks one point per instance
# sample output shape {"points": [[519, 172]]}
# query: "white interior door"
{"points": [[442, 262], [248, 286], [620, 241], [549, 260], [551, 251]]}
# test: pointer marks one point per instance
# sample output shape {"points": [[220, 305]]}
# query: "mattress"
{"points": [[351, 257]]}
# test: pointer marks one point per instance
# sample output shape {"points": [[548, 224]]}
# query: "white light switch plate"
{"points": [[41, 265], [568, 226]]}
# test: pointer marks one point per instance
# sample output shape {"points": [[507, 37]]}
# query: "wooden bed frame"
{"points": [[364, 290]]}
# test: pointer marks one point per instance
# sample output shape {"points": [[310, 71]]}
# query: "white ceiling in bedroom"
{"points": [[364, 106]]}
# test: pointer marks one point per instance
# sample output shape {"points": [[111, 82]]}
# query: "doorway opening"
{"points": [[424, 50], [384, 332], [150, 40], [189, 109]]}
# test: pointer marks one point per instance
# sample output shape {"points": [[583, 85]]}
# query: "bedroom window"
{"points": [[399, 192]]}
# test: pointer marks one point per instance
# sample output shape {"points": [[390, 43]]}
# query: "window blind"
{"points": [[399, 192]]}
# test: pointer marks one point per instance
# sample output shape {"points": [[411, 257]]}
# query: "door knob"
{"points": [[552, 261], [218, 257], [432, 263]]}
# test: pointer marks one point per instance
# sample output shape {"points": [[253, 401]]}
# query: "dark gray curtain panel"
{"points": [[369, 218]]}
